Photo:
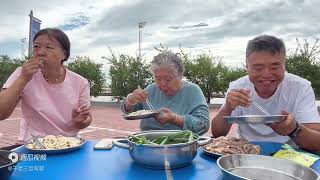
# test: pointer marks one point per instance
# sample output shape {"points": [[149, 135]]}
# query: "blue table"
{"points": [[88, 163]]}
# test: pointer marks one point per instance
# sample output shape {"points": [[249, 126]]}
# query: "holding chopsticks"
{"points": [[148, 102], [139, 95]]}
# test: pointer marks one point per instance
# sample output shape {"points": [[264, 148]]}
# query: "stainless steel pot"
{"points": [[259, 167], [162, 156]]}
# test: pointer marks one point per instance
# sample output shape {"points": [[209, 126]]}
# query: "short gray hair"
{"points": [[266, 43], [170, 59]]}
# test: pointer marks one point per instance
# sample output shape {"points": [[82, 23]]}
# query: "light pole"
{"points": [[30, 34], [23, 41], [140, 25]]}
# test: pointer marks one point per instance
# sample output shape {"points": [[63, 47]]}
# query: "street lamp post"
{"points": [[23, 41], [140, 25], [30, 34]]}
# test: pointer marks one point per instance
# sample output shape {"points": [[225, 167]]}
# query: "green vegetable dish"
{"points": [[185, 136]]}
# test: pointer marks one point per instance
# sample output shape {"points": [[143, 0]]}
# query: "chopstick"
{"points": [[38, 142], [261, 108], [149, 103]]}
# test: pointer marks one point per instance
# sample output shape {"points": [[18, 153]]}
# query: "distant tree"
{"points": [[7, 67], [126, 73], [304, 62], [91, 71], [206, 71], [232, 74]]}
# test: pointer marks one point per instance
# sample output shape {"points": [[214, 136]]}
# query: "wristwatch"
{"points": [[295, 132]]}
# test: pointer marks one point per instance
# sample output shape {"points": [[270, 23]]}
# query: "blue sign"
{"points": [[35, 27]]}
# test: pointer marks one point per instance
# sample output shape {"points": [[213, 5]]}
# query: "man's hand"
{"points": [[81, 117], [237, 97], [286, 126]]}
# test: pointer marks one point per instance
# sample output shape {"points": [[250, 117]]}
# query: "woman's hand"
{"points": [[29, 68], [81, 117], [138, 95], [167, 116]]}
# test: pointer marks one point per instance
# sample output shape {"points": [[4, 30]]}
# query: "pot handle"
{"points": [[203, 141], [122, 143]]}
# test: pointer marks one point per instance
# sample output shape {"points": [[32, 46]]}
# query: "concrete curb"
{"points": [[117, 104], [105, 104]]}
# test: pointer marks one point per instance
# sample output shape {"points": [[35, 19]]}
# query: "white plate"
{"points": [[254, 119]]}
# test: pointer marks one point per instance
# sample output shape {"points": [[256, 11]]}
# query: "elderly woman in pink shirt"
{"points": [[54, 100]]}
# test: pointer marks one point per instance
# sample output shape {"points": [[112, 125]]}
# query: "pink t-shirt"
{"points": [[47, 108]]}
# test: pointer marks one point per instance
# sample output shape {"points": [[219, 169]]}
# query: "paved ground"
{"points": [[107, 123]]}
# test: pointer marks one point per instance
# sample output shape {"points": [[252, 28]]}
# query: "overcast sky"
{"points": [[220, 27]]}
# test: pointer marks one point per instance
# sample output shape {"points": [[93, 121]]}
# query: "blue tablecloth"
{"points": [[88, 163]]}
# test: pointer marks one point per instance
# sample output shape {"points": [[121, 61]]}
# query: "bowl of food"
{"points": [[229, 145], [163, 149], [8, 161], [141, 114], [55, 144]]}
